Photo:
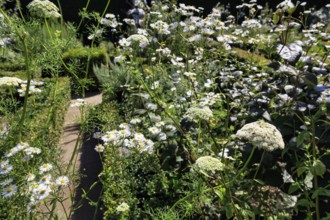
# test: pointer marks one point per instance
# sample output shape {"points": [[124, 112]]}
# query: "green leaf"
{"points": [[291, 10], [301, 170], [276, 18], [229, 211], [304, 202], [321, 192], [318, 168], [302, 137], [294, 187]]}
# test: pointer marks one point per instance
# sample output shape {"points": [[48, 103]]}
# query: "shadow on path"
{"points": [[90, 168]]}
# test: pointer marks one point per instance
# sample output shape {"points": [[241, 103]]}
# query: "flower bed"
{"points": [[29, 168], [219, 120], [204, 117]]}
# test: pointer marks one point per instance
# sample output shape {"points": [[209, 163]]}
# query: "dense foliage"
{"points": [[203, 117]]}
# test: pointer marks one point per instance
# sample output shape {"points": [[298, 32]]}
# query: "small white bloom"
{"points": [[45, 167], [30, 177], [123, 207], [6, 182], [135, 121], [62, 181], [99, 148], [46, 179], [154, 130], [9, 191], [5, 167]]}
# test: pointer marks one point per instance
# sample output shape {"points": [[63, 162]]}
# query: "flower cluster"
{"points": [[324, 96], [199, 113], [110, 20], [127, 138], [123, 207], [33, 87], [37, 186], [209, 164], [43, 9], [262, 135], [10, 81]]}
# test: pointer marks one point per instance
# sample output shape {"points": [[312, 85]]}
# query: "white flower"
{"points": [[9, 191], [123, 152], [123, 207], [6, 182], [45, 167], [30, 177], [208, 164], [32, 150], [196, 113], [119, 59], [161, 26], [110, 136], [41, 192], [135, 121], [251, 23], [162, 137], [150, 106], [262, 135], [10, 81], [99, 148], [160, 124], [5, 167], [154, 130], [140, 39], [46, 179], [324, 96], [224, 154], [285, 5], [43, 8], [124, 133], [62, 181], [189, 74], [125, 126], [97, 135], [32, 206], [124, 42], [287, 178]]}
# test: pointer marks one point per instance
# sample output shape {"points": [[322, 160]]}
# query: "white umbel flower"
{"points": [[10, 81], [209, 164], [262, 135], [43, 8], [197, 113], [123, 207]]}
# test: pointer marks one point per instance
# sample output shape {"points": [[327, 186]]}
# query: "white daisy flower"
{"points": [[62, 181]]}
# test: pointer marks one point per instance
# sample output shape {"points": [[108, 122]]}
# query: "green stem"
{"points": [[92, 45], [18, 3], [61, 12], [82, 19], [22, 37], [245, 165], [315, 150], [27, 67], [262, 158]]}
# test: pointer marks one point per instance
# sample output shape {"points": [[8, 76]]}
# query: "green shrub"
{"points": [[80, 61]]}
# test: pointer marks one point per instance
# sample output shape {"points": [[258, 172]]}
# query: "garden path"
{"points": [[87, 164]]}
